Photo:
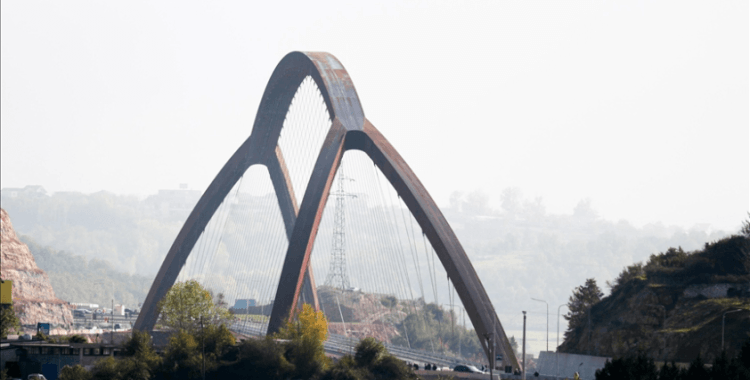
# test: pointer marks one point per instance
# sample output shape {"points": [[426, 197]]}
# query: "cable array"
{"points": [[241, 252], [385, 254]]}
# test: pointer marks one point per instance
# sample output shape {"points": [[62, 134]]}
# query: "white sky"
{"points": [[641, 106]]}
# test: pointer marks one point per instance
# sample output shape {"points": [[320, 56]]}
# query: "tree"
{"points": [[306, 323], [669, 372], [183, 359], [8, 321], [579, 305], [344, 369], [76, 338], [368, 352], [258, 359], [638, 368], [721, 369], [514, 344], [745, 230], [140, 349], [307, 334], [389, 301], [106, 369], [371, 356], [313, 323], [584, 210], [75, 372], [697, 370], [216, 340], [188, 304], [425, 331], [511, 200], [202, 335]]}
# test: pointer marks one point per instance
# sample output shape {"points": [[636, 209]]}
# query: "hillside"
{"points": [[34, 299], [80, 280], [671, 308], [405, 323], [134, 235]]}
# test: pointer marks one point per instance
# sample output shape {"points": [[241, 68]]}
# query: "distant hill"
{"points": [[132, 234], [519, 250], [671, 308], [80, 280]]}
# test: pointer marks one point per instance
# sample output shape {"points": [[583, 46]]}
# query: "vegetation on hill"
{"points": [[408, 323], [672, 307], [132, 234], [433, 329], [643, 367], [77, 279]]}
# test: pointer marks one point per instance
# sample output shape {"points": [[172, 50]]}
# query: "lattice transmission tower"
{"points": [[337, 276]]}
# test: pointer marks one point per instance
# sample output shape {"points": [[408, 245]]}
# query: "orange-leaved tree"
{"points": [[307, 333]]}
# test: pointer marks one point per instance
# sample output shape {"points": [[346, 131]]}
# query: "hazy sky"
{"points": [[640, 106]]}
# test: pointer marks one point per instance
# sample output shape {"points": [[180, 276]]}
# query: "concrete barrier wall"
{"points": [[433, 375], [569, 364]]}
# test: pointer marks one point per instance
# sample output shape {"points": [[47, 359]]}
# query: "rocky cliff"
{"points": [[673, 307], [33, 298]]}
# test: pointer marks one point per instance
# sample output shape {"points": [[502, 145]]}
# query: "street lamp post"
{"points": [[722, 325], [490, 344], [545, 302], [557, 347], [523, 349]]}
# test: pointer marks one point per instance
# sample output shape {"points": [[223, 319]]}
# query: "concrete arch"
{"points": [[447, 247], [260, 148], [349, 130]]}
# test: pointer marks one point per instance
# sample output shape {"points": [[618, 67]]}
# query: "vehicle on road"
{"points": [[466, 368], [36, 376]]}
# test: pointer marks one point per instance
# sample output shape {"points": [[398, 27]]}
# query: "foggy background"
{"points": [[631, 117]]}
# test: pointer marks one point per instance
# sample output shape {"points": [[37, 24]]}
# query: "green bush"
{"points": [[368, 352], [74, 373]]}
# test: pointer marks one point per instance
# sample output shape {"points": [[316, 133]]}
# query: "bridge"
{"points": [[339, 345], [264, 227]]}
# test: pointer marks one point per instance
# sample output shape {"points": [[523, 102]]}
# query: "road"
{"points": [[339, 345]]}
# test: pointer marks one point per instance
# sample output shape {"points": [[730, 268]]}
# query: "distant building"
{"points": [[119, 309], [243, 304], [28, 191], [83, 305], [22, 358], [173, 204]]}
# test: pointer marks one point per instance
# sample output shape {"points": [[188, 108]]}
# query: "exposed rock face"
{"points": [[675, 307], [33, 298], [663, 322]]}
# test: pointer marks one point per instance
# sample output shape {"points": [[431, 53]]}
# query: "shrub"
{"points": [[74, 373], [368, 352]]}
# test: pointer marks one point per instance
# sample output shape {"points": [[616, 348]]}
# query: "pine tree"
{"points": [[514, 344], [579, 305], [697, 370]]}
